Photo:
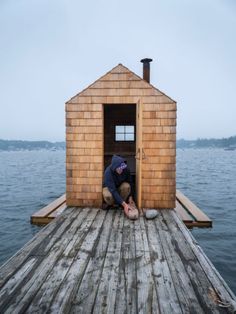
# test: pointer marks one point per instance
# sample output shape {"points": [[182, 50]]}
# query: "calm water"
{"points": [[208, 178], [30, 180]]}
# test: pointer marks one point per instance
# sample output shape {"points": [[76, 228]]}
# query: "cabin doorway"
{"points": [[120, 135]]}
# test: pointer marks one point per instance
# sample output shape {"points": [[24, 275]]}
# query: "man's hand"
{"points": [[130, 211], [126, 208]]}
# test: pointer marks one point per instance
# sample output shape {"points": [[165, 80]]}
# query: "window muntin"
{"points": [[124, 133]]}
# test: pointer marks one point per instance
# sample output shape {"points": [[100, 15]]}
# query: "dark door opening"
{"points": [[120, 134]]}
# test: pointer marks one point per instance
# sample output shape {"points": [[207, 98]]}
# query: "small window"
{"points": [[124, 133]]}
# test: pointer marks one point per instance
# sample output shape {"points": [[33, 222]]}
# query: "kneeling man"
{"points": [[117, 187]]}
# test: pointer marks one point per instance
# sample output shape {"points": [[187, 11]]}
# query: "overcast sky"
{"points": [[50, 50]]}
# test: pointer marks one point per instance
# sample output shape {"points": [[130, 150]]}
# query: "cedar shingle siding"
{"points": [[85, 134]]}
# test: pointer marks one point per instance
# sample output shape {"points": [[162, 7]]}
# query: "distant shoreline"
{"points": [[19, 145], [226, 143]]}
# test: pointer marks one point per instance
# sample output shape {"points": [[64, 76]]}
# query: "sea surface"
{"points": [[30, 180]]}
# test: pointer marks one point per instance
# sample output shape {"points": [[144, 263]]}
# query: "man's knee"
{"points": [[125, 190], [108, 198], [125, 186]]}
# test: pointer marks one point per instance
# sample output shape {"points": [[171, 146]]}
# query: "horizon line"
{"points": [[57, 141]]}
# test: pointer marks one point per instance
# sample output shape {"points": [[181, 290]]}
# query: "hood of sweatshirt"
{"points": [[116, 162]]}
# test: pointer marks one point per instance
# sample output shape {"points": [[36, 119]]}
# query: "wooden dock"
{"points": [[190, 214], [95, 261]]}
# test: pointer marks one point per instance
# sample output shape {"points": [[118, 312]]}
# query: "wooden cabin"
{"points": [[121, 113]]}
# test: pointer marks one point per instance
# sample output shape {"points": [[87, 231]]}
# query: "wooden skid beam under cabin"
{"points": [[190, 214], [88, 260], [49, 212]]}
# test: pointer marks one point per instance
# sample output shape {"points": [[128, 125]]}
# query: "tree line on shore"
{"points": [[229, 142], [9, 145]]}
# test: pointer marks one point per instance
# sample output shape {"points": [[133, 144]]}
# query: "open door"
{"points": [[120, 135], [139, 154]]}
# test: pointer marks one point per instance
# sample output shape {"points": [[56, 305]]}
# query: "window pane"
{"points": [[129, 129], [120, 129], [129, 137], [120, 137]]}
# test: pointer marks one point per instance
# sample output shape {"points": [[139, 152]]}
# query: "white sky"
{"points": [[50, 50]]}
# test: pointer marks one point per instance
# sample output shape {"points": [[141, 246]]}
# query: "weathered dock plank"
{"points": [[94, 261], [197, 277], [35, 245], [59, 272], [66, 292], [106, 294], [185, 294], [169, 296], [126, 300], [146, 290], [223, 294], [86, 293], [23, 292]]}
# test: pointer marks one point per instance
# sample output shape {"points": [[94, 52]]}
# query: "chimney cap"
{"points": [[146, 60]]}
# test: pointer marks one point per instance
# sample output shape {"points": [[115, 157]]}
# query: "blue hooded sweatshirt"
{"points": [[112, 180]]}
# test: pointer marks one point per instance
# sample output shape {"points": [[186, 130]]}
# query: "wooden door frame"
{"points": [[138, 138], [138, 183]]}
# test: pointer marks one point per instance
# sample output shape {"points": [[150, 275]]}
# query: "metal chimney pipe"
{"points": [[146, 69]]}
